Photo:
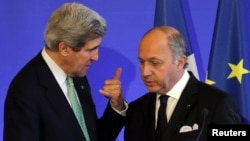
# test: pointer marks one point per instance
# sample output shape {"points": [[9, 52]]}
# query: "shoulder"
{"points": [[29, 78], [211, 91], [209, 94], [203, 90], [215, 98], [142, 102]]}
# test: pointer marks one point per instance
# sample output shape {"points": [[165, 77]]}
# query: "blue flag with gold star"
{"points": [[229, 62], [176, 13]]}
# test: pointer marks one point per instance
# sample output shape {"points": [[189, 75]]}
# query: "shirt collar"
{"points": [[58, 73], [176, 91]]}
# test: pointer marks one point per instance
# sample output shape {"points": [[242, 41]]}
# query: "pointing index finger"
{"points": [[118, 73]]}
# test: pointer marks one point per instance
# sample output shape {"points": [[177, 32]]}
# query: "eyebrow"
{"points": [[151, 58], [94, 48]]}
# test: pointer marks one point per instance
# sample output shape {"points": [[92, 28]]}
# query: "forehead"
{"points": [[92, 43], [153, 44]]}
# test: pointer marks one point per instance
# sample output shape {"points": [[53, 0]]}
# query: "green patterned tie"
{"points": [[76, 107]]}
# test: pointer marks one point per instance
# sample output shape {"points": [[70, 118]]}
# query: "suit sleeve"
{"points": [[20, 118], [110, 124]]}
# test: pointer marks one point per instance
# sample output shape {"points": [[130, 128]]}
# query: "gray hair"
{"points": [[175, 41], [74, 24]]}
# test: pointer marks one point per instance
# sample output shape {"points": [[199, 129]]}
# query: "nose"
{"points": [[95, 55], [146, 70]]}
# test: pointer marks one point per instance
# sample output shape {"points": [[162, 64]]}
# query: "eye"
{"points": [[141, 61], [155, 62], [92, 49]]}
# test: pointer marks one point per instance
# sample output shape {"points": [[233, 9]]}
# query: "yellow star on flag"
{"points": [[237, 71], [208, 81]]}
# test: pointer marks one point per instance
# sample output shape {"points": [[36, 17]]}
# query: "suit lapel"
{"points": [[146, 112], [184, 106], [151, 115], [84, 94], [55, 96]]}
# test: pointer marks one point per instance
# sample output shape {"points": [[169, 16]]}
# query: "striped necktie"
{"points": [[76, 107]]}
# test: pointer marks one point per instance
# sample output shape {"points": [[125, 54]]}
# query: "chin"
{"points": [[155, 90], [152, 90], [82, 74]]}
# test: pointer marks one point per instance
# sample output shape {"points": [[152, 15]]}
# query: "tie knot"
{"points": [[70, 81], [163, 99]]}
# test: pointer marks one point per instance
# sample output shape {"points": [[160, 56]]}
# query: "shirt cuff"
{"points": [[124, 111]]}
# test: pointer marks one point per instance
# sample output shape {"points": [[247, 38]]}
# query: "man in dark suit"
{"points": [[37, 105], [190, 105]]}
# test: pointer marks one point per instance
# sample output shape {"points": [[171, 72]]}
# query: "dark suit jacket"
{"points": [[197, 96], [37, 110]]}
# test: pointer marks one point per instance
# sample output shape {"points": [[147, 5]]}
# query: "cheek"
{"points": [[162, 77], [164, 73], [76, 63], [81, 64], [82, 58]]}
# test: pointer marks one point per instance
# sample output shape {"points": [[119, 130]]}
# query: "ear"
{"points": [[63, 49], [182, 61]]}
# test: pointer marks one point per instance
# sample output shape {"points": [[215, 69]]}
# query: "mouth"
{"points": [[149, 83], [88, 65]]}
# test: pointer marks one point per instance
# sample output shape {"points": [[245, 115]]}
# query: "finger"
{"points": [[118, 73], [103, 93], [109, 94]]}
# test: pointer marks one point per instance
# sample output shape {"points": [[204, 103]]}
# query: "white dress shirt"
{"points": [[174, 95], [61, 77], [58, 73]]}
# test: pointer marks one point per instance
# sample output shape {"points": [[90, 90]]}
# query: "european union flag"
{"points": [[176, 13], [229, 64]]}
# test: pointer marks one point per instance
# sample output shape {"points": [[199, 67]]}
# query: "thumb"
{"points": [[118, 73]]}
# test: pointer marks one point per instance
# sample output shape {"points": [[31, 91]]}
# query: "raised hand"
{"points": [[112, 89]]}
